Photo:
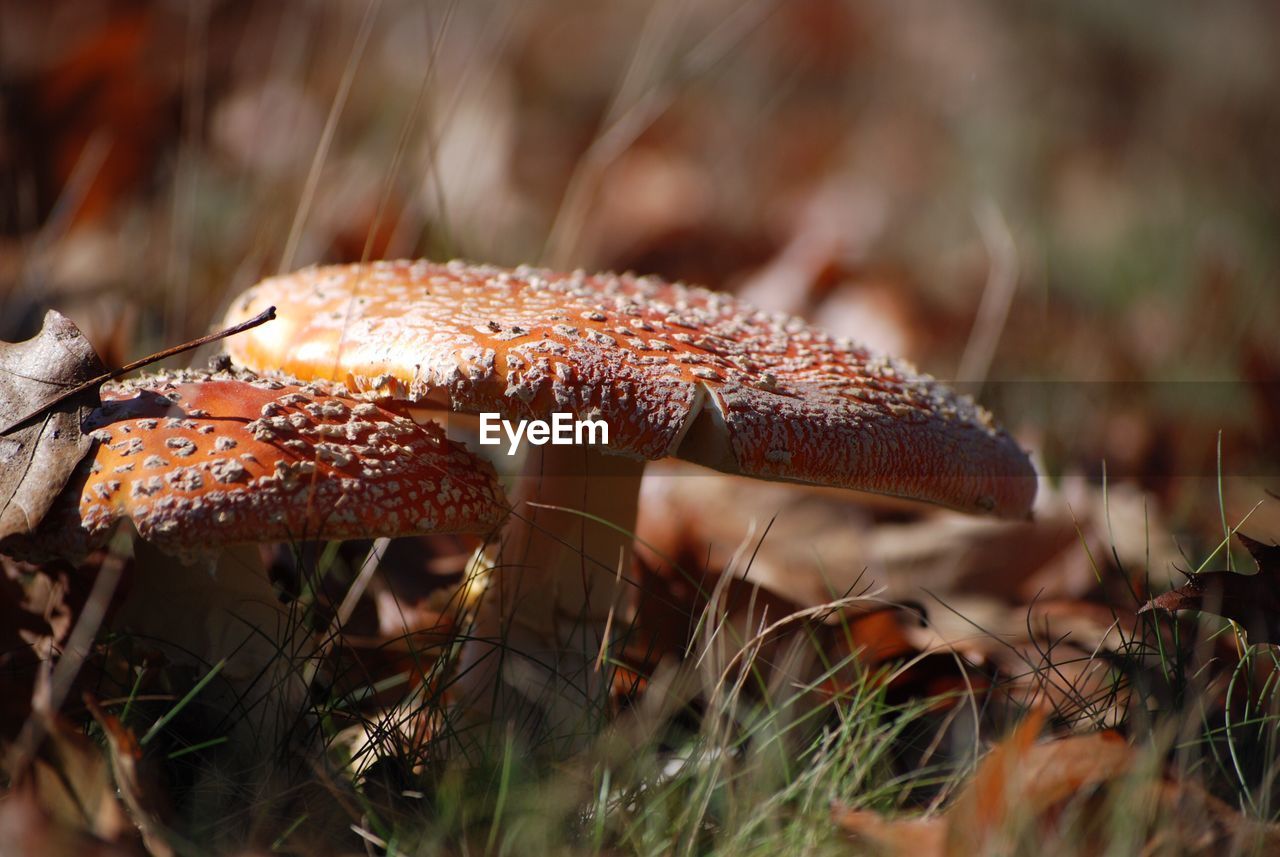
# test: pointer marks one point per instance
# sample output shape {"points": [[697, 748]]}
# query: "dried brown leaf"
{"points": [[1021, 790], [16, 656], [29, 829], [916, 837], [70, 780], [1252, 600], [48, 386], [1021, 783], [34, 618], [39, 454]]}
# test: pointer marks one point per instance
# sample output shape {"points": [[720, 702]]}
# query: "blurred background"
{"points": [[1069, 210]]}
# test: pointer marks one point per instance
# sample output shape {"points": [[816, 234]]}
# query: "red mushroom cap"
{"points": [[788, 401], [199, 461]]}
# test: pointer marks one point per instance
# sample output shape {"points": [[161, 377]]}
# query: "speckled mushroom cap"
{"points": [[787, 401], [199, 461]]}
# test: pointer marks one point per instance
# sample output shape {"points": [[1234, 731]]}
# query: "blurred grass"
{"points": [[155, 158], [161, 157]]}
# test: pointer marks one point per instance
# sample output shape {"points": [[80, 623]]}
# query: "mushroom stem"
{"points": [[557, 574], [222, 609]]}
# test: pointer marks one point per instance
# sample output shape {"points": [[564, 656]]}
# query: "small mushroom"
{"points": [[201, 462], [673, 370]]}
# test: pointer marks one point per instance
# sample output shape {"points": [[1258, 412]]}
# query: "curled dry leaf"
{"points": [[39, 454], [1253, 600]]}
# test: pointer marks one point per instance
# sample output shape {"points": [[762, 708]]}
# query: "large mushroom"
{"points": [[672, 370], [203, 462]]}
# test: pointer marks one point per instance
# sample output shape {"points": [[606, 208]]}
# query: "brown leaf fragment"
{"points": [[30, 829], [1065, 791], [70, 779], [1266, 556], [135, 779], [1252, 600], [917, 837], [34, 620], [38, 456], [1018, 791], [1023, 786]]}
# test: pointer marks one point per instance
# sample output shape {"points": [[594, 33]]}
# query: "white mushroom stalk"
{"points": [[672, 370], [555, 609]]}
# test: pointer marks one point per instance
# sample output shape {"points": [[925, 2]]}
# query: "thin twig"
{"points": [[261, 318]]}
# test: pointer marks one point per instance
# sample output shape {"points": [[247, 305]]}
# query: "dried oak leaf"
{"points": [[1252, 600], [39, 449]]}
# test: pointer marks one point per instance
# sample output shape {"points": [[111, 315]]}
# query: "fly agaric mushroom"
{"points": [[672, 370], [201, 462]]}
